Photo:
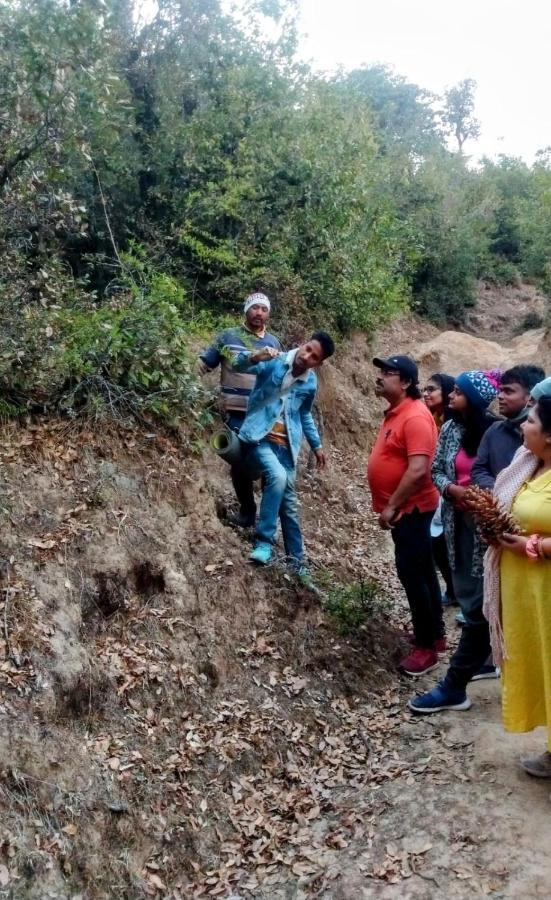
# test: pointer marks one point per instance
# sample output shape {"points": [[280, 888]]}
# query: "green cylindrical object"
{"points": [[227, 445]]}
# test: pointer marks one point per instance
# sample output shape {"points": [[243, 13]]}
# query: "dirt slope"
{"points": [[501, 313], [176, 724]]}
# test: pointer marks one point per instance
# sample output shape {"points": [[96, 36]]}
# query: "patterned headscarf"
{"points": [[479, 387]]}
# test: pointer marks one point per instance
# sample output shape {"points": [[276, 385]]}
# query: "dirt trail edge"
{"points": [[177, 724]]}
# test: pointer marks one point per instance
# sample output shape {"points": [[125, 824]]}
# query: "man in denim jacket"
{"points": [[279, 413]]}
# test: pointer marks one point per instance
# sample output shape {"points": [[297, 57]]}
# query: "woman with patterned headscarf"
{"points": [[451, 471]]}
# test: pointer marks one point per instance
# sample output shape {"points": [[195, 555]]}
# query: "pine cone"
{"points": [[485, 510]]}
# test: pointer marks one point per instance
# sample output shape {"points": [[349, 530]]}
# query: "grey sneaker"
{"points": [[538, 766], [487, 671]]}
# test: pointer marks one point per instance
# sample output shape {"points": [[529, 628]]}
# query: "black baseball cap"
{"points": [[403, 364]]}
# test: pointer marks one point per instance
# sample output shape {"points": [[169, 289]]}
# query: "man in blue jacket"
{"points": [[502, 439], [279, 413], [236, 388]]}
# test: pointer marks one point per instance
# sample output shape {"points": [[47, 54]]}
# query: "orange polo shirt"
{"points": [[407, 430]]}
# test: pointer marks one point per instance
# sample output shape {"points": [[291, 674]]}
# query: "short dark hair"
{"points": [[326, 342], [525, 375], [543, 409]]}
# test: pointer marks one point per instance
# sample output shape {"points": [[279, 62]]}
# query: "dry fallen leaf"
{"points": [[41, 544], [156, 882]]}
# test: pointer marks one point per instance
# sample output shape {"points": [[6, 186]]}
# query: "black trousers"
{"points": [[417, 573], [474, 645], [472, 652], [242, 475]]}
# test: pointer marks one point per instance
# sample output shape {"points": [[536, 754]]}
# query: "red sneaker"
{"points": [[419, 661]]}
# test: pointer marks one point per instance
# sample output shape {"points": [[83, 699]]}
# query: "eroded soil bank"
{"points": [[177, 724]]}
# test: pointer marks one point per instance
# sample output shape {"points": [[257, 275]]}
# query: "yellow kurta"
{"points": [[526, 611]]}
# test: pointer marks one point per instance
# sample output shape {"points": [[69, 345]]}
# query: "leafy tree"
{"points": [[403, 112], [534, 222], [458, 113], [153, 172]]}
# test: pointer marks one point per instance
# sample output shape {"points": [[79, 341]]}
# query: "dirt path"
{"points": [[461, 815], [456, 816]]}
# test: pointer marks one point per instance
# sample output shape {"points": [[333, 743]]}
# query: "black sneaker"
{"points": [[238, 520]]}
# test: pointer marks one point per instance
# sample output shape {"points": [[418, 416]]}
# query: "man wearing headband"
{"points": [[236, 387]]}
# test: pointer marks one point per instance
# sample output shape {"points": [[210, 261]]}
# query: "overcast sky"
{"points": [[504, 45]]}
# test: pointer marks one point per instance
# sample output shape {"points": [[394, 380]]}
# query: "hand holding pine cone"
{"points": [[492, 521]]}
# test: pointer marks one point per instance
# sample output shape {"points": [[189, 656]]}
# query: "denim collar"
{"points": [[289, 360]]}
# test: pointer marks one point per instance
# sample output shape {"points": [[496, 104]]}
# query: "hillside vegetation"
{"points": [[152, 172]]}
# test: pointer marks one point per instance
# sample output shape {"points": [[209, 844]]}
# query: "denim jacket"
{"points": [[266, 403], [443, 474]]}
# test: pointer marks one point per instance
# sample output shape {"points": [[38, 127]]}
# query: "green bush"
{"points": [[499, 270], [126, 357], [235, 168], [351, 605]]}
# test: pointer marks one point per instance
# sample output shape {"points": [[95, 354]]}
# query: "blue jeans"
{"points": [[275, 463]]}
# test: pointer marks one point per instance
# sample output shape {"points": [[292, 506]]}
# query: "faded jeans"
{"points": [[279, 499]]}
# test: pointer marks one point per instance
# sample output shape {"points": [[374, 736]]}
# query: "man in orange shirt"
{"points": [[399, 476]]}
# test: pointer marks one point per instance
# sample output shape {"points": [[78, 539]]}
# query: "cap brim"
{"points": [[389, 364]]}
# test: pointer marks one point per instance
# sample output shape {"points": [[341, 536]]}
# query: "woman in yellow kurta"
{"points": [[522, 635]]}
